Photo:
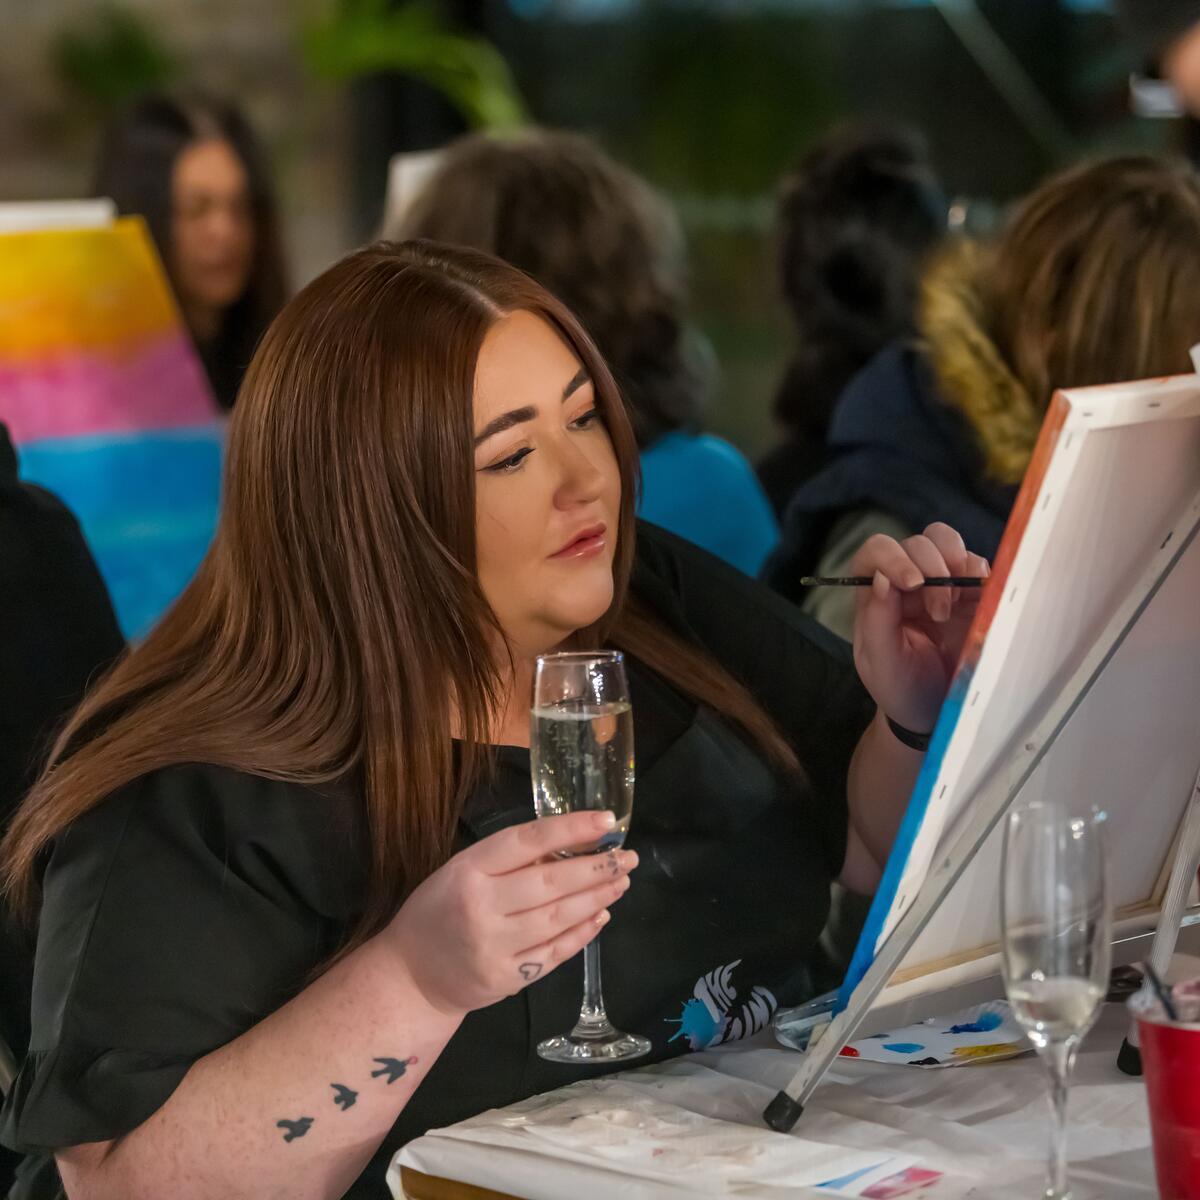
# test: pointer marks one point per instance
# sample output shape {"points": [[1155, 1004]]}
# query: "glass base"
{"points": [[598, 1046]]}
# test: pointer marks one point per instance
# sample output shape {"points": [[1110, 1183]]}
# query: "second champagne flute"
{"points": [[581, 752], [1057, 945]]}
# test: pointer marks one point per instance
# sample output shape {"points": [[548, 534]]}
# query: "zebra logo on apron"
{"points": [[709, 1017]]}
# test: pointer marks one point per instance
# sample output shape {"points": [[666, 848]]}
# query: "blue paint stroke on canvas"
{"points": [[147, 504], [914, 815]]}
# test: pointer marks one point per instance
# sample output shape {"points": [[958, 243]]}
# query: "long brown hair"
{"points": [[337, 619]]}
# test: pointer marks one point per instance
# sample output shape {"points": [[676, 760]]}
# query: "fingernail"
{"points": [[987, 570], [623, 883], [602, 917], [913, 579], [606, 820], [628, 859], [881, 585]]}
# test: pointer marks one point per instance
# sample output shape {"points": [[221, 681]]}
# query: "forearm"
{"points": [[293, 1108], [882, 773]]}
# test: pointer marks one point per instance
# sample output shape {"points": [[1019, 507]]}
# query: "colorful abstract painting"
{"points": [[108, 405]]}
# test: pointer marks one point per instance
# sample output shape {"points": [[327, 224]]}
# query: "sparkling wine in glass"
{"points": [[1057, 945], [581, 752]]}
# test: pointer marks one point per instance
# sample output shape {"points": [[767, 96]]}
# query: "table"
{"points": [[984, 1126]]}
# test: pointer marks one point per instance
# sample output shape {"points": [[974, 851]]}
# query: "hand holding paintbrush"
{"points": [[916, 600]]}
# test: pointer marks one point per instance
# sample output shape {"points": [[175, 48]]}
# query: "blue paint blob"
{"points": [[984, 1023], [904, 1047]]}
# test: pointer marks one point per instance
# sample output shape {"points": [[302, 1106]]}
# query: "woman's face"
{"points": [[547, 486], [212, 226]]}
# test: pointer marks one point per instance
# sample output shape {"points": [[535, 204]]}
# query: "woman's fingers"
{"points": [[938, 601], [540, 960], [977, 566], [520, 845], [543, 883], [544, 924], [886, 556], [950, 546]]}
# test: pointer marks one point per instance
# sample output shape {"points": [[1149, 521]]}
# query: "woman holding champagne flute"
{"points": [[293, 907]]}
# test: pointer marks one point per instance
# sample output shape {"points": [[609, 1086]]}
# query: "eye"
{"points": [[505, 465], [589, 418]]}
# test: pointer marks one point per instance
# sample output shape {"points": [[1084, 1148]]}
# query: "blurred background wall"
{"points": [[709, 99]]}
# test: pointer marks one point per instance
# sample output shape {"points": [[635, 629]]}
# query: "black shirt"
{"points": [[195, 901], [59, 631]]}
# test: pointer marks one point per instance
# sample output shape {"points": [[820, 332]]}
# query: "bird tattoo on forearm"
{"points": [[295, 1129], [393, 1068]]}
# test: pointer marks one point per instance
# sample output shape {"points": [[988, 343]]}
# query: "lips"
{"points": [[585, 543]]}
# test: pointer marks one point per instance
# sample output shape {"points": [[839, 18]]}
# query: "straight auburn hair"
{"points": [[337, 621]]}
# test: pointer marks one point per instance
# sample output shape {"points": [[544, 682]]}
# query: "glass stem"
{"points": [[592, 1013], [1060, 1061]]}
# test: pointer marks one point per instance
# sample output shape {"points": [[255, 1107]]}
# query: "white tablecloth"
{"points": [[985, 1127]]}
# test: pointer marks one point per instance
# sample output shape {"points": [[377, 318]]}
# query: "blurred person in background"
{"points": [[1095, 279], [857, 216], [1165, 38], [193, 169], [602, 241], [59, 633]]}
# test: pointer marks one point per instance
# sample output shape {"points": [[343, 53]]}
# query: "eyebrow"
{"points": [[520, 415]]}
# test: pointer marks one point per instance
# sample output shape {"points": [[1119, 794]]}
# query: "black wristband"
{"points": [[914, 741]]}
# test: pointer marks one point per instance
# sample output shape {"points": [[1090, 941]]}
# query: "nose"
{"points": [[223, 224], [580, 479]]}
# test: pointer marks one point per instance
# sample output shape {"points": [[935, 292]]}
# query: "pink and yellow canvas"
{"points": [[90, 339], [109, 407]]}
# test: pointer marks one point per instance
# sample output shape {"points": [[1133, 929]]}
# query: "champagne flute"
{"points": [[1057, 945], [581, 751]]}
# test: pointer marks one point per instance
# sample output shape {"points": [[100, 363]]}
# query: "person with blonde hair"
{"points": [[293, 908], [1095, 279], [607, 245]]}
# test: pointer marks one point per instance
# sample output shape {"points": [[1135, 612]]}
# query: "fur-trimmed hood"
{"points": [[970, 373]]}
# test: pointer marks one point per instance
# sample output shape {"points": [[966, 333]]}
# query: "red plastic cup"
{"points": [[1171, 1066]]}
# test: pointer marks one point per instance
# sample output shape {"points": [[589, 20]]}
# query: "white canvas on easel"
{"points": [[1080, 681], [24, 216], [1122, 472]]}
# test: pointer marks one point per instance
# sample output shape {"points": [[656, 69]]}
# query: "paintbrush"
{"points": [[959, 581], [1162, 992]]}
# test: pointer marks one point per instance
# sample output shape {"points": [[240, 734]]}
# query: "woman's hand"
{"points": [[502, 913], [907, 638]]}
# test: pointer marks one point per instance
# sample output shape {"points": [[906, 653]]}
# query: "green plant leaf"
{"points": [[115, 58], [367, 36]]}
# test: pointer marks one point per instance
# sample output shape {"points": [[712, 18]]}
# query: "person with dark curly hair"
{"points": [[606, 244], [857, 216]]}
